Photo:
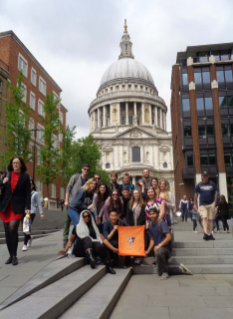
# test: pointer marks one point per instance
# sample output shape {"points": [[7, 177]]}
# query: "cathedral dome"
{"points": [[127, 68]]}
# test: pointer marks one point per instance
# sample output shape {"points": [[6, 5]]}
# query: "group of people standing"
{"points": [[18, 199], [97, 210]]}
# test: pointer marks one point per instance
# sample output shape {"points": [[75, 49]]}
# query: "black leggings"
{"points": [[11, 233], [98, 248], [27, 237], [194, 224], [225, 224]]}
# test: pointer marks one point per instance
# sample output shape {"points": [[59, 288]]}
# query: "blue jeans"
{"points": [[215, 220], [184, 214], [74, 216], [169, 220]]}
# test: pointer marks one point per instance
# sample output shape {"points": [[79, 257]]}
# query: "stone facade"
{"points": [[128, 116]]}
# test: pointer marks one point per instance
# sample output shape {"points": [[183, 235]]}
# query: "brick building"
{"points": [[37, 83], [202, 117], [4, 93]]}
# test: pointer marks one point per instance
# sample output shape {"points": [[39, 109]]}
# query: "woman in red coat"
{"points": [[16, 200]]}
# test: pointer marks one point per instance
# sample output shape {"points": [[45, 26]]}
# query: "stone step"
{"points": [[21, 238], [54, 271], [53, 300], [195, 269], [204, 244], [100, 300], [201, 251], [34, 232], [199, 260]]}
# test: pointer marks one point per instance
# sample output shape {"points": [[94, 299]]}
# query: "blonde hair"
{"points": [[86, 186], [141, 202], [166, 189]]}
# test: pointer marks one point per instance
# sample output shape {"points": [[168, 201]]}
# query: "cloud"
{"points": [[77, 40]]}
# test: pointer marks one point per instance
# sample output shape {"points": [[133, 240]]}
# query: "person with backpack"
{"points": [[35, 203], [76, 182], [208, 198], [126, 182]]}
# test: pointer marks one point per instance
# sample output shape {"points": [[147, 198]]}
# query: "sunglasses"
{"points": [[86, 216]]}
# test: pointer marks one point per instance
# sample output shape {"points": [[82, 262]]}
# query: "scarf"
{"points": [[82, 229]]}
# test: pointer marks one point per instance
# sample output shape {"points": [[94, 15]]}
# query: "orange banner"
{"points": [[131, 240]]}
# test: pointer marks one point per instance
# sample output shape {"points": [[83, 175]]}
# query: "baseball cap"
{"points": [[205, 173]]}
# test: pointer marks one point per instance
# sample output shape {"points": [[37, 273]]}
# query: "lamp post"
{"points": [[34, 156]]}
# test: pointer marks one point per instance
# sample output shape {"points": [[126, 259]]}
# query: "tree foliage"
{"points": [[17, 135], [50, 154], [87, 151]]}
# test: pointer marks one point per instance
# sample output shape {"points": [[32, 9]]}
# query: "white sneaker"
{"points": [[29, 242], [164, 276], [24, 248], [195, 231], [185, 270]]}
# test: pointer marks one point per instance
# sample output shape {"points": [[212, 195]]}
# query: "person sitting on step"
{"points": [[88, 241]]}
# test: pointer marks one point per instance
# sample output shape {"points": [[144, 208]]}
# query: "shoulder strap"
{"points": [[159, 225]]}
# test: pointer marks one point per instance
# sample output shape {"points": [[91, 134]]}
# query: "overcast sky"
{"points": [[76, 40]]}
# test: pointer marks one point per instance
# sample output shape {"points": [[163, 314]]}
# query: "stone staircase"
{"points": [[53, 221], [65, 289]]}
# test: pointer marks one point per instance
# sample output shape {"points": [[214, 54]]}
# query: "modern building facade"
{"points": [[128, 120], [202, 116], [37, 83]]}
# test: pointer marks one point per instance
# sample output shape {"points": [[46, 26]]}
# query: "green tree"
{"points": [[87, 151], [50, 154], [66, 159], [17, 135]]}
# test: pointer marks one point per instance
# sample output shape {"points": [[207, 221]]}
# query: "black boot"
{"points": [[110, 270], [9, 260], [90, 258], [14, 261]]}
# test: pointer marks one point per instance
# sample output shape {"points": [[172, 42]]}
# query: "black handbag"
{"points": [[2, 188]]}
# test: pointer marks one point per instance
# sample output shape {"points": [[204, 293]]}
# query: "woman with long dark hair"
{"points": [[35, 202], [88, 241], [99, 200], [223, 211], [112, 202], [15, 202]]}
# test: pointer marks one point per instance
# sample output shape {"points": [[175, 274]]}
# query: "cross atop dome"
{"points": [[126, 44]]}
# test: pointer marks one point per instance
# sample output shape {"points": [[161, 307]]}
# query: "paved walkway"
{"points": [[179, 297], [42, 252]]}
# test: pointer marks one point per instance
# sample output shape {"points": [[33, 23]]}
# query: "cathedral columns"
{"points": [[161, 119], [104, 116], [127, 113], [135, 108], [98, 118], [143, 114], [156, 116], [94, 120]]}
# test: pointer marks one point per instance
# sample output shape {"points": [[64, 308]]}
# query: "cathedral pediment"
{"points": [[135, 132]]}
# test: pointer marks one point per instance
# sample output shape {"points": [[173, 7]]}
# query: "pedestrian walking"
{"points": [[223, 210], [35, 203], [16, 201], [194, 214], [184, 208], [75, 183], [208, 193]]}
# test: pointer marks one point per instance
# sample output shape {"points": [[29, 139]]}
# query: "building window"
{"points": [[33, 76], [42, 86], [187, 130], [107, 165], [201, 76], [185, 105], [32, 101], [60, 137], [24, 91], [136, 154], [54, 141], [130, 120], [190, 160], [228, 159], [61, 117], [226, 130], [62, 193], [39, 161], [185, 79], [40, 133], [207, 159], [197, 78], [224, 74], [39, 188], [23, 65], [200, 104], [31, 124], [123, 120], [164, 165], [41, 108], [204, 159], [205, 130], [53, 190], [204, 104]]}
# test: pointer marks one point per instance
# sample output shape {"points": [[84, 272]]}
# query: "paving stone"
{"points": [[133, 300], [219, 301], [195, 291], [200, 313], [176, 301], [224, 291], [203, 283], [129, 312]]}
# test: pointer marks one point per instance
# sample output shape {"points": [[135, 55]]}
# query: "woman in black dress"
{"points": [[16, 201]]}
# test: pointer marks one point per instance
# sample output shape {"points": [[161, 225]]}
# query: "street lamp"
{"points": [[34, 157]]}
